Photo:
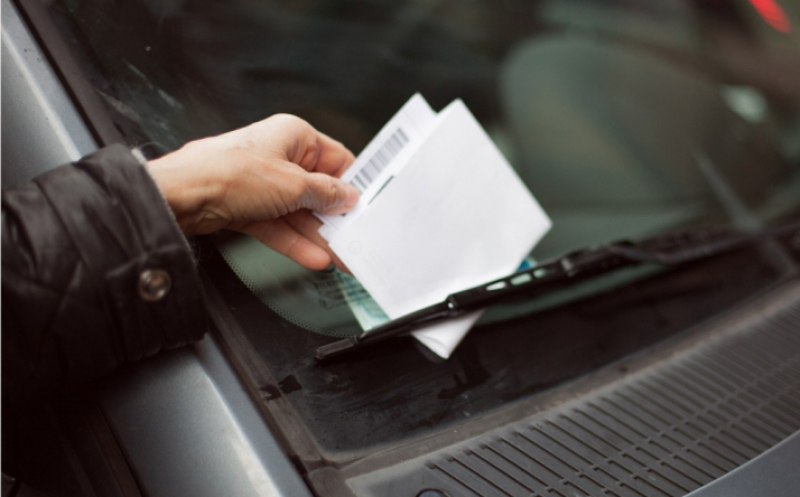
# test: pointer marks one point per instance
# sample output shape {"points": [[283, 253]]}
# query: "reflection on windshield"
{"points": [[624, 118]]}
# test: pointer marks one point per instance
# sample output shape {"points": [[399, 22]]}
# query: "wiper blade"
{"points": [[671, 249]]}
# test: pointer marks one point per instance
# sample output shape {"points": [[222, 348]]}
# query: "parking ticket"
{"points": [[383, 158], [441, 210]]}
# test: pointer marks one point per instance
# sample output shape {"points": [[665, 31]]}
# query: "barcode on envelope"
{"points": [[378, 162]]}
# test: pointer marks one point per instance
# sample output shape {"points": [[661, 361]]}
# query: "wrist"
{"points": [[189, 189]]}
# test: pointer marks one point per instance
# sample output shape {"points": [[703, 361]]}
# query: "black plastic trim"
{"points": [[773, 473]]}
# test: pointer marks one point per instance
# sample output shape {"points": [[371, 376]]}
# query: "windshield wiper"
{"points": [[671, 249]]}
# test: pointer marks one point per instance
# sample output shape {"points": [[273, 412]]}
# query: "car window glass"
{"points": [[623, 118]]}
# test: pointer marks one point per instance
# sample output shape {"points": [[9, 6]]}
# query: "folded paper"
{"points": [[442, 211]]}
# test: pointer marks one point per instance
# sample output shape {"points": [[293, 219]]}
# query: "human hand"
{"points": [[263, 180]]}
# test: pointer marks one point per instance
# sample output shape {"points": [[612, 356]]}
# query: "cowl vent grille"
{"points": [[665, 433]]}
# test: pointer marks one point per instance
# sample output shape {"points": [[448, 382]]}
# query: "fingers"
{"points": [[283, 165], [307, 147], [307, 225], [327, 195], [320, 156], [333, 158], [284, 239]]}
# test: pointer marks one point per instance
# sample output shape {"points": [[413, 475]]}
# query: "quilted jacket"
{"points": [[95, 274]]}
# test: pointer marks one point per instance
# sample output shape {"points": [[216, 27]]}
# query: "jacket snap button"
{"points": [[154, 284]]}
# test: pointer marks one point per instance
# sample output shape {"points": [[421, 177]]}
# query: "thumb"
{"points": [[328, 195]]}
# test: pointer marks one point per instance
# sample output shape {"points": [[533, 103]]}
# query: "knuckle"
{"points": [[332, 194], [290, 121], [298, 190], [312, 148], [323, 192]]}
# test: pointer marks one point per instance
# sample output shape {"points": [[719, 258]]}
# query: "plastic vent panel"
{"points": [[666, 432]]}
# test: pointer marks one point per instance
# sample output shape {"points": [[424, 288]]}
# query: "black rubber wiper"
{"points": [[671, 249]]}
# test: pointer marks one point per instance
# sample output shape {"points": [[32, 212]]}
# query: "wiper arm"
{"points": [[671, 249]]}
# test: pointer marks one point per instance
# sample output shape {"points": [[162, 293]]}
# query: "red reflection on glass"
{"points": [[773, 14]]}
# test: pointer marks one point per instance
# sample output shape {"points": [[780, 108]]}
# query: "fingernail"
{"points": [[351, 196]]}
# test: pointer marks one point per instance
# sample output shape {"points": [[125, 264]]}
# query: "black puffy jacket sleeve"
{"points": [[95, 274]]}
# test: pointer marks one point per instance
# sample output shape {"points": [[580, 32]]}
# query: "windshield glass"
{"points": [[623, 118]]}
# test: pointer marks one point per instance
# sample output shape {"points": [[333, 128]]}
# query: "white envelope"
{"points": [[454, 215]]}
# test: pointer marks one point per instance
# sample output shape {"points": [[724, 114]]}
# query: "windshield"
{"points": [[623, 118]]}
